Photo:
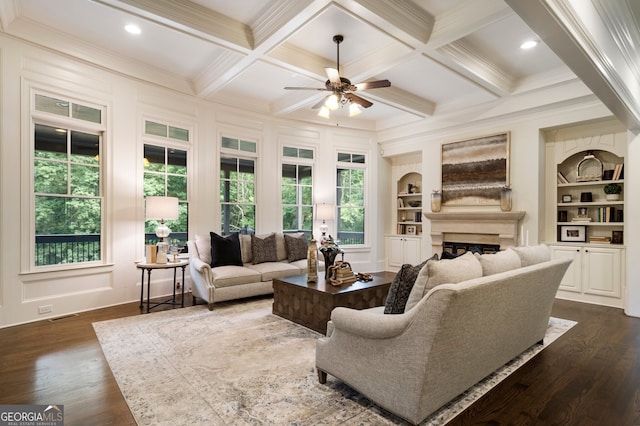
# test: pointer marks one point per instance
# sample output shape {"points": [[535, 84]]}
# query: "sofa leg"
{"points": [[541, 342], [193, 302], [210, 306], [322, 377]]}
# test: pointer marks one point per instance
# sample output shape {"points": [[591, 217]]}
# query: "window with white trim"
{"points": [[237, 185], [297, 190], [350, 189], [67, 181]]}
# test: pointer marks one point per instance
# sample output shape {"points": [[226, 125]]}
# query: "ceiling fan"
{"points": [[342, 89]]}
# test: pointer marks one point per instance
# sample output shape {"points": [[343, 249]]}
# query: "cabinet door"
{"points": [[572, 280], [601, 271], [412, 251], [395, 250]]}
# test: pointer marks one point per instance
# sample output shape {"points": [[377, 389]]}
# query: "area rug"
{"points": [[242, 365]]}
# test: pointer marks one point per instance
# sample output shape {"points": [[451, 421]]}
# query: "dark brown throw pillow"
{"points": [[264, 249], [297, 247], [401, 287], [225, 250]]}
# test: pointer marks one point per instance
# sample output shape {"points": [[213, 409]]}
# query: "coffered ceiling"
{"points": [[443, 57]]}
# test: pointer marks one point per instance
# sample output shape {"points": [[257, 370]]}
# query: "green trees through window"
{"points": [[67, 189]]}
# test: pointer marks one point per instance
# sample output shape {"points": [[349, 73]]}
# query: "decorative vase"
{"points": [[436, 201], [330, 253], [505, 199], [312, 261]]}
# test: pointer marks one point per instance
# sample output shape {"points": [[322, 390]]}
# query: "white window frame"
{"points": [[298, 161], [354, 166]]}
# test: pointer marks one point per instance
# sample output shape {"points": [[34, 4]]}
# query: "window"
{"points": [[297, 191], [67, 191], [350, 198], [237, 186], [165, 174]]}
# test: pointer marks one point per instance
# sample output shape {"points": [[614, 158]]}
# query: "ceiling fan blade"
{"points": [[333, 75], [358, 100], [305, 88], [373, 84]]}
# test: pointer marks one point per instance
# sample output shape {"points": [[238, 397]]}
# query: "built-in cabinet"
{"points": [[404, 242], [596, 275], [403, 249], [409, 204], [581, 221]]}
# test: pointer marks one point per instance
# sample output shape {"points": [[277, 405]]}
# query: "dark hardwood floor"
{"points": [[590, 376]]}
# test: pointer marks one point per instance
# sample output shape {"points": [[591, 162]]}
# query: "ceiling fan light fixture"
{"points": [[332, 102], [354, 109], [324, 112]]}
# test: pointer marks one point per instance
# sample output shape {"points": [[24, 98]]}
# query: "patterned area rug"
{"points": [[241, 365]]}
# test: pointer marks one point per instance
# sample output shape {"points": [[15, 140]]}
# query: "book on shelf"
{"points": [[581, 219], [617, 171], [562, 178], [606, 214], [600, 240]]}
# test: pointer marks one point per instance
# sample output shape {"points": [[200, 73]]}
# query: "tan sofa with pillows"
{"points": [[464, 318], [239, 265]]}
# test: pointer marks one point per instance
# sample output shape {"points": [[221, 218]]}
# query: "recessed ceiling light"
{"points": [[528, 44], [132, 29]]}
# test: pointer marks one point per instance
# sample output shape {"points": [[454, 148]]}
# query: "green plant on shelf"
{"points": [[612, 188]]}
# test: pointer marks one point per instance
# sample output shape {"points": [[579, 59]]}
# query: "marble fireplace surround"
{"points": [[475, 227]]}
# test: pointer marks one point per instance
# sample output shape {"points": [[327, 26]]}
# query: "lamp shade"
{"points": [[324, 211], [163, 208]]}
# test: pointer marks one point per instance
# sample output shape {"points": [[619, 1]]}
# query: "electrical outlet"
{"points": [[45, 309]]}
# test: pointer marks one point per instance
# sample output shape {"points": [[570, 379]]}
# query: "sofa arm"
{"points": [[370, 325], [199, 265]]}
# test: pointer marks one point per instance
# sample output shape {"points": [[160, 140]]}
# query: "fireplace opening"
{"points": [[455, 249]]}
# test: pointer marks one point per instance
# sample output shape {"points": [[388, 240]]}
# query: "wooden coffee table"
{"points": [[311, 304]]}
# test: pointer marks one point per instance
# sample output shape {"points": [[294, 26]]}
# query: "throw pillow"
{"points": [[401, 287], [225, 250], [501, 261], [297, 247], [264, 249], [203, 245], [531, 255], [450, 271]]}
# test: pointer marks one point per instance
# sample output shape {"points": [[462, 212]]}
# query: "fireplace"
{"points": [[475, 228]]}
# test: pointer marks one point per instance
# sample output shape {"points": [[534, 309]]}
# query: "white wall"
{"points": [[128, 101]]}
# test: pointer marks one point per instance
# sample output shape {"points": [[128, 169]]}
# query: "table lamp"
{"points": [[162, 208], [324, 212]]}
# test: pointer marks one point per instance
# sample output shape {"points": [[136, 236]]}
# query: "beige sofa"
{"points": [[413, 363], [220, 283]]}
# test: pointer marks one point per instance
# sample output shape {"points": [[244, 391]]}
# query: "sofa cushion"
{"points": [[270, 270], [401, 287], [502, 261], [531, 255], [245, 248], [227, 276], [450, 271], [203, 244], [297, 247], [264, 249], [225, 250]]}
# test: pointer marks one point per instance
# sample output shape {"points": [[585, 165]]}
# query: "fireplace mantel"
{"points": [[474, 226]]}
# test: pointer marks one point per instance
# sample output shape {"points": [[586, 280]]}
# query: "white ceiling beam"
{"points": [[401, 19], [190, 18], [476, 68], [465, 19], [403, 100]]}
